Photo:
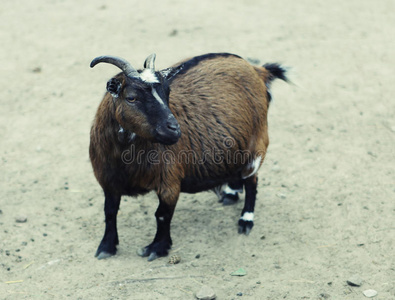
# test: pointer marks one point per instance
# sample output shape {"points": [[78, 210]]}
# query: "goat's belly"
{"points": [[195, 185]]}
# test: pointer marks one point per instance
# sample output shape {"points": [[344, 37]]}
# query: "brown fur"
{"points": [[221, 99]]}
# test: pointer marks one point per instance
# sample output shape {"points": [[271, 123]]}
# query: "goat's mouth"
{"points": [[167, 136]]}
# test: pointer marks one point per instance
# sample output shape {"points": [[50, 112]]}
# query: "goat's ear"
{"points": [[114, 87], [169, 73]]}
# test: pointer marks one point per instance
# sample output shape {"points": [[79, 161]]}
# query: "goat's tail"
{"points": [[270, 71], [275, 70]]}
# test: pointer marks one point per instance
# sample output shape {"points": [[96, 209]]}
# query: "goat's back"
{"points": [[221, 105]]}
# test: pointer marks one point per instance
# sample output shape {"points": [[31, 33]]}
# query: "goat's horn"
{"points": [[125, 66], [150, 62]]}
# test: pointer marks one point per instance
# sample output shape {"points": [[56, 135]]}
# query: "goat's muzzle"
{"points": [[168, 133]]}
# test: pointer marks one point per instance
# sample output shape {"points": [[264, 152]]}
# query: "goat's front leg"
{"points": [[162, 241], [108, 244]]}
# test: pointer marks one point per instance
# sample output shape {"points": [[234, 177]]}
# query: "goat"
{"points": [[219, 103]]}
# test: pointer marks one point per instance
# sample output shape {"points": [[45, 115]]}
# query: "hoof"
{"points": [[155, 250], [229, 199], [105, 250], [103, 255], [245, 226]]}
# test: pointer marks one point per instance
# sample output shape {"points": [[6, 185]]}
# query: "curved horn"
{"points": [[125, 66], [150, 62]]}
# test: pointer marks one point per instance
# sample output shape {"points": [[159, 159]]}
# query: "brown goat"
{"points": [[219, 103]]}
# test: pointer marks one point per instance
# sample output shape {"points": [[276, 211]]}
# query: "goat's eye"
{"points": [[130, 100]]}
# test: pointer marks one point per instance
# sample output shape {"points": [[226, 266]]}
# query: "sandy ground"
{"points": [[326, 195]]}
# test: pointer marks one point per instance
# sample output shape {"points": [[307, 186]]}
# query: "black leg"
{"points": [[247, 215], [108, 244], [162, 241]]}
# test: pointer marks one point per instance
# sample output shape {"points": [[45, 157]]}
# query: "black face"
{"points": [[144, 106]]}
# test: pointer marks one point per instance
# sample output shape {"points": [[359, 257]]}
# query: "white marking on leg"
{"points": [[148, 76], [256, 163], [229, 190], [157, 97], [247, 216], [161, 219]]}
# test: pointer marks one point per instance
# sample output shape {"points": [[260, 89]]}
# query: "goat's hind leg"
{"points": [[162, 241], [230, 194], [246, 221], [110, 239]]}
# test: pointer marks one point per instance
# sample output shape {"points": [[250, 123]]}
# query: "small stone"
{"points": [[355, 280], [370, 293], [372, 154], [324, 296], [239, 294], [205, 293], [239, 272], [21, 219], [276, 168], [174, 32], [197, 256], [281, 196], [174, 259]]}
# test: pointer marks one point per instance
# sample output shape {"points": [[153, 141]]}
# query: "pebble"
{"points": [[372, 154], [21, 219], [281, 196], [276, 168], [206, 293], [355, 280], [174, 259], [370, 293], [174, 32], [239, 272]]}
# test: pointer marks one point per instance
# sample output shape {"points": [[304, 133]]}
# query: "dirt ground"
{"points": [[326, 199]]}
